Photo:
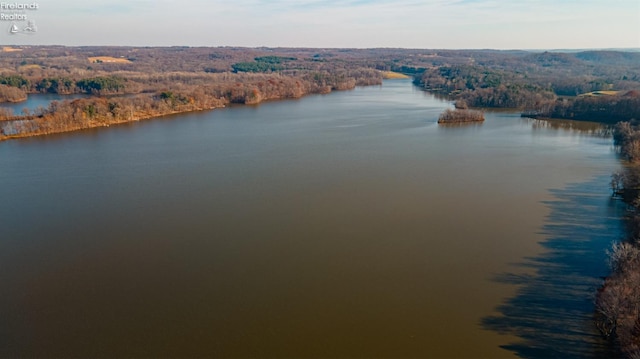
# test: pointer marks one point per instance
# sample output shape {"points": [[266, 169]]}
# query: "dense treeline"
{"points": [[99, 111], [480, 78], [256, 66], [14, 81], [138, 83], [545, 84], [618, 300], [133, 70], [262, 64], [562, 74], [481, 87], [63, 86], [101, 85], [11, 94], [605, 108], [193, 94], [626, 137]]}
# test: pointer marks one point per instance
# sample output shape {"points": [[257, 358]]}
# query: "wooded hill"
{"points": [[147, 82], [546, 84]]}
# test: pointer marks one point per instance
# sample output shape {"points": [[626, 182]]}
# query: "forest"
{"points": [[129, 83], [597, 86]]}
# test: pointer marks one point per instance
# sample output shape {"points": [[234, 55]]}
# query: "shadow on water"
{"points": [[552, 310]]}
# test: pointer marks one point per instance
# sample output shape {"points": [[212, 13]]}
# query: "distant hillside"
{"points": [[610, 57], [552, 59]]}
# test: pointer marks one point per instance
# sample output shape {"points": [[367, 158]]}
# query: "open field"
{"points": [[97, 59], [29, 66], [393, 75], [600, 93]]}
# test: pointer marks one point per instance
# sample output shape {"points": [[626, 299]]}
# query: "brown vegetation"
{"points": [[101, 59], [613, 108], [99, 111], [11, 94], [626, 136], [459, 116], [151, 82], [592, 86], [618, 300], [189, 92], [208, 77]]}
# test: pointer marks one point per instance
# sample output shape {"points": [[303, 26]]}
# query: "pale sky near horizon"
{"points": [[453, 24]]}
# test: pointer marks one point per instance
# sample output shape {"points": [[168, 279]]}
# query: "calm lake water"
{"points": [[37, 100], [340, 225]]}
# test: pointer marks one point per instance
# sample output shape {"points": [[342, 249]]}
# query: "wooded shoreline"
{"points": [[93, 112], [618, 299], [163, 81], [205, 92]]}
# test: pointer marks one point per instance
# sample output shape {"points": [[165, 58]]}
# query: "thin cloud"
{"points": [[346, 23]]}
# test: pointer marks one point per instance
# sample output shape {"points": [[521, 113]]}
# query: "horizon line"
{"points": [[335, 48]]}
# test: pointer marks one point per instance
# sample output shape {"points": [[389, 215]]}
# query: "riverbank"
{"points": [[552, 311], [10, 94], [90, 124], [92, 112], [618, 299], [541, 91]]}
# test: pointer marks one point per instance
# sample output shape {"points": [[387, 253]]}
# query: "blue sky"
{"points": [[454, 24]]}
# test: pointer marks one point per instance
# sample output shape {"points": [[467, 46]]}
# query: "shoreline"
{"points": [[93, 126], [107, 122], [14, 101], [616, 314]]}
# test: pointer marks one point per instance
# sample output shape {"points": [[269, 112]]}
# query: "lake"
{"points": [[35, 101], [340, 225]]}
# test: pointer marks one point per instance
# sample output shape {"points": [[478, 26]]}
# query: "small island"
{"points": [[460, 116]]}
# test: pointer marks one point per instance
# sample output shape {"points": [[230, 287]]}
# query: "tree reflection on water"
{"points": [[552, 311], [592, 129]]}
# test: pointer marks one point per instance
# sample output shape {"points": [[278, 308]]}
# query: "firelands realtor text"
{"points": [[12, 11]]}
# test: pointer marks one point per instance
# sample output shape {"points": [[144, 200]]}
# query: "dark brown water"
{"points": [[345, 225]]}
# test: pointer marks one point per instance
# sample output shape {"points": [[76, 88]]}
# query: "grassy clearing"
{"points": [[10, 49], [393, 75], [97, 59], [600, 93], [30, 66]]}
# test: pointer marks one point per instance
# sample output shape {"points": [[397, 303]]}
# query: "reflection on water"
{"points": [[459, 124], [344, 225], [552, 313], [580, 127], [34, 101]]}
